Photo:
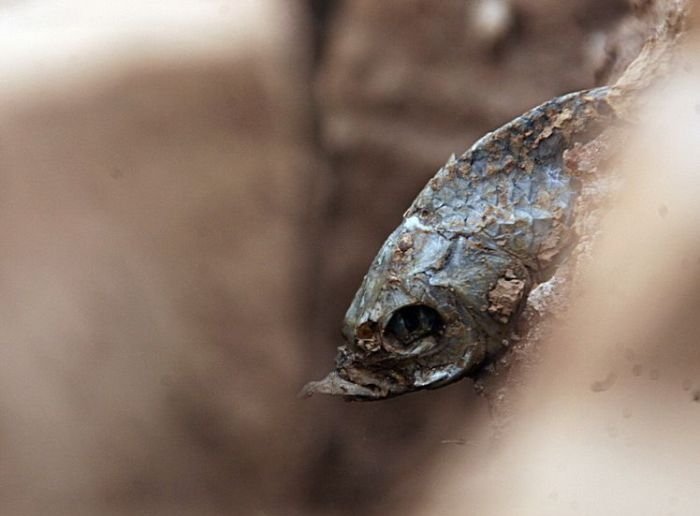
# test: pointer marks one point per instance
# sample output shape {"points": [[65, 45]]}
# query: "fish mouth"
{"points": [[365, 386], [335, 385]]}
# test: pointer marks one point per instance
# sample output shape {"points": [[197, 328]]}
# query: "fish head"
{"points": [[432, 307]]}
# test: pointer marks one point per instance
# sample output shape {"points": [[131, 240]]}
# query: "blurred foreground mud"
{"points": [[152, 187], [190, 197]]}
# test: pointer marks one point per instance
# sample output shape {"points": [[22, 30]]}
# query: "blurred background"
{"points": [[190, 193]]}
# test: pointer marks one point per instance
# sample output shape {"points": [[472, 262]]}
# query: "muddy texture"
{"points": [[152, 207], [183, 227]]}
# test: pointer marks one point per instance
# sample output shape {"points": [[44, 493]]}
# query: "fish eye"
{"points": [[412, 324]]}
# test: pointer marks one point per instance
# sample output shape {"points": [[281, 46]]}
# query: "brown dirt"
{"points": [[183, 227]]}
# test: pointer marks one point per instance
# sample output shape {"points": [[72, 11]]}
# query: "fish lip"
{"points": [[335, 384], [367, 385]]}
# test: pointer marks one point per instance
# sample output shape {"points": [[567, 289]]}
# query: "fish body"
{"points": [[443, 294]]}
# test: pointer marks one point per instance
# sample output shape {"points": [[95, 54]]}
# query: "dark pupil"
{"points": [[411, 323]]}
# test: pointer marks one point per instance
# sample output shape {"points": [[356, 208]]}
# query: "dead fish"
{"points": [[443, 294]]}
